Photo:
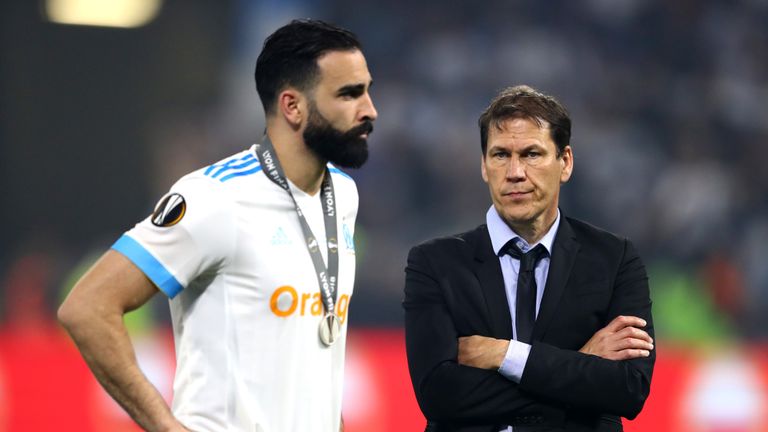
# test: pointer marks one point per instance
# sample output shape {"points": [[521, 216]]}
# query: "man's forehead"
{"points": [[343, 68], [519, 129], [519, 134]]}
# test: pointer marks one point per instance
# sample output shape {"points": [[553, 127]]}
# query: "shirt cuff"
{"points": [[514, 361]]}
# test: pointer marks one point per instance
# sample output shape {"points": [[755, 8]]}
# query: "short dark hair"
{"points": [[526, 102], [289, 56]]}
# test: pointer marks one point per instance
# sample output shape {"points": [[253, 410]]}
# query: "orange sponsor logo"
{"points": [[286, 301]]}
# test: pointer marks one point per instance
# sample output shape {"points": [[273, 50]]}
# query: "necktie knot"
{"points": [[528, 259]]}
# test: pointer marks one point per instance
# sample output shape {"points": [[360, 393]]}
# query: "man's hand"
{"points": [[621, 339], [482, 352]]}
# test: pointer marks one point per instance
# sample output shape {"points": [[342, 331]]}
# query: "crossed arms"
{"points": [[454, 368]]}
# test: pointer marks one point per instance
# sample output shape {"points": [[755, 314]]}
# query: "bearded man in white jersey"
{"points": [[256, 255]]}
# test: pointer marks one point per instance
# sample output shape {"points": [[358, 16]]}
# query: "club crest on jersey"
{"points": [[169, 211], [348, 239]]}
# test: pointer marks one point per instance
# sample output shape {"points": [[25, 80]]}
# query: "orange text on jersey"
{"points": [[305, 304]]}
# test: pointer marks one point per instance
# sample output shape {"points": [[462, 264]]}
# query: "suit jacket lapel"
{"points": [[564, 252], [488, 271]]}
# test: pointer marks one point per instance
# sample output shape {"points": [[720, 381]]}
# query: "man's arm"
{"points": [[446, 390], [613, 386], [93, 316], [622, 339]]}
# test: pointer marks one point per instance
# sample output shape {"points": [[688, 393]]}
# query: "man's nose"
{"points": [[368, 111], [515, 169]]}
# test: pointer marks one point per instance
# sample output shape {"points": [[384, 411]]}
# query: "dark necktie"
{"points": [[525, 309]]}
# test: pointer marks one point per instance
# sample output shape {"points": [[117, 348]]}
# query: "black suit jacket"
{"points": [[454, 287]]}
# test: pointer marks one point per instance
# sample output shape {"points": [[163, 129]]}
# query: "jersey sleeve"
{"points": [[190, 232]]}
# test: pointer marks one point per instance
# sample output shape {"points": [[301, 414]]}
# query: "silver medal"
{"points": [[330, 329]]}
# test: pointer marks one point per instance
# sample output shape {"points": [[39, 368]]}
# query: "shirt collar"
{"points": [[501, 233]]}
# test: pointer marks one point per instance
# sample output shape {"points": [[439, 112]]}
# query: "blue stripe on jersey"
{"points": [[240, 173], [228, 163], [228, 167], [338, 171], [148, 264]]}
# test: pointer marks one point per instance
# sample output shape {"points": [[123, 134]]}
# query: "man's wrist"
{"points": [[513, 364], [501, 349]]}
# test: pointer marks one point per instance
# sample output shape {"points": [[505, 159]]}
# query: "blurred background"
{"points": [[103, 105]]}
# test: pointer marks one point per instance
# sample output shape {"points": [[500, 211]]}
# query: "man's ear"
{"points": [[566, 159], [290, 104], [482, 169]]}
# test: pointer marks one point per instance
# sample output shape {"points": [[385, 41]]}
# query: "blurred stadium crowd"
{"points": [[669, 102]]}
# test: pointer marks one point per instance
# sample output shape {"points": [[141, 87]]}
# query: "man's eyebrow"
{"points": [[353, 89], [525, 148], [533, 145]]}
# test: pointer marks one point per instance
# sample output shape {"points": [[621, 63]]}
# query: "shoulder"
{"points": [[339, 174], [345, 190], [218, 178], [461, 244], [341, 179], [597, 239], [238, 166], [207, 191]]}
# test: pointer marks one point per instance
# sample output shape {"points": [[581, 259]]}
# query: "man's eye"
{"points": [[352, 94]]}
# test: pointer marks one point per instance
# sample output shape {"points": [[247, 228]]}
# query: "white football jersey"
{"points": [[226, 246]]}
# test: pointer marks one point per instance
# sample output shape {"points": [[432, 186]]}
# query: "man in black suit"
{"points": [[488, 350]]}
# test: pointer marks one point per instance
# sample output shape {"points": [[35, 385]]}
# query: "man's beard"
{"points": [[345, 149]]}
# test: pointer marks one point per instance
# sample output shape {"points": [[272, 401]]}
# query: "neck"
{"points": [[300, 164], [535, 230]]}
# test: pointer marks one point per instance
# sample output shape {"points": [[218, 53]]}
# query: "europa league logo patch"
{"points": [[169, 210]]}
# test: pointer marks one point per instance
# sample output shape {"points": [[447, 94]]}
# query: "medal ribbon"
{"points": [[326, 276]]}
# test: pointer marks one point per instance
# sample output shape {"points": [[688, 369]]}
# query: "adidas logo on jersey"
{"points": [[279, 238]]}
